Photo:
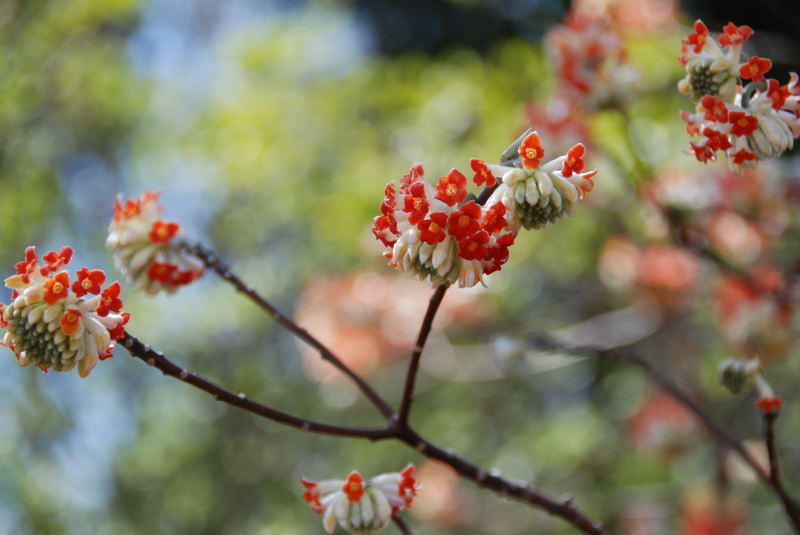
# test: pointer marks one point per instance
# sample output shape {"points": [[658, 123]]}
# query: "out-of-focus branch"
{"points": [[792, 508], [401, 525], [156, 359], [214, 263], [770, 479]]}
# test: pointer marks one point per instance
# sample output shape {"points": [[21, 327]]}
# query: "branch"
{"points": [[413, 365], [506, 158], [716, 430], [144, 352], [401, 525], [214, 263], [564, 509], [771, 479], [792, 509]]}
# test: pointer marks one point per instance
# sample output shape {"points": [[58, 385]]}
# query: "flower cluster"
{"points": [[535, 195], [590, 59], [433, 233], [51, 323], [751, 123], [361, 507], [144, 248], [752, 317]]}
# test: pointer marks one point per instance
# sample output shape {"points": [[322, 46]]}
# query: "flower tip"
{"points": [[769, 404]]}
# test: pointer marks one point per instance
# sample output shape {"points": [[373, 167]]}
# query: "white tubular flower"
{"points": [[433, 236], [712, 67], [537, 195], [51, 324], [361, 507], [143, 247]]}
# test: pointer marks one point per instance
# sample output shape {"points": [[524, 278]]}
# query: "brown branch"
{"points": [[401, 525], [771, 479], [564, 509], [213, 262], [413, 365], [791, 507], [506, 158], [716, 430], [156, 359]]}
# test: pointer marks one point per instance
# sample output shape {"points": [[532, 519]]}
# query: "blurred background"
{"points": [[270, 129]]}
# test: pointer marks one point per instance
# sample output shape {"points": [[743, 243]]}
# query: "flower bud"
{"points": [[737, 374]]}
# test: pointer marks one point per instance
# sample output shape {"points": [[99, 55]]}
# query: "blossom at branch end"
{"points": [[54, 325], [145, 249], [360, 506]]}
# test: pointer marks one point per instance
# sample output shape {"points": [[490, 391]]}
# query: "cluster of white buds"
{"points": [[361, 507], [751, 123], [712, 67], [144, 248], [535, 194], [738, 374], [432, 235], [54, 325]]}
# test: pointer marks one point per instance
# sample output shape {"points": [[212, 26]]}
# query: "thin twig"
{"points": [[413, 365], [792, 509], [213, 262], [438, 295], [769, 439], [770, 479], [564, 509], [156, 359], [401, 525]]}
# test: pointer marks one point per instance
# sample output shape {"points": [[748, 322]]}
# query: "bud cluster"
{"points": [[144, 246], [432, 233], [361, 507], [51, 323], [433, 236], [751, 123], [590, 59]]}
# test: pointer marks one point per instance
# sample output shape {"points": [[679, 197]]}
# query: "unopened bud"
{"points": [[737, 374]]}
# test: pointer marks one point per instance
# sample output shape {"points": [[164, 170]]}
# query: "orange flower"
{"points": [[88, 281], [56, 288], [109, 300], [482, 173], [735, 35], [452, 188], [70, 321], [698, 38], [755, 69], [769, 404], [163, 231], [531, 151], [574, 163], [354, 486]]}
